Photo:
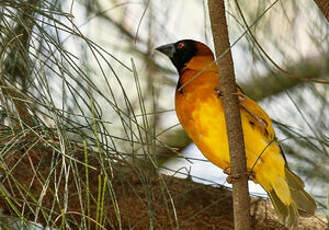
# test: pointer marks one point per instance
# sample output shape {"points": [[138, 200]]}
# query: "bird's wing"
{"points": [[256, 115]]}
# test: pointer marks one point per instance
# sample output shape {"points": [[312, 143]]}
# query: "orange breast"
{"points": [[200, 112]]}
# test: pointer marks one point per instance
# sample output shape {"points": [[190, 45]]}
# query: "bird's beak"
{"points": [[168, 50]]}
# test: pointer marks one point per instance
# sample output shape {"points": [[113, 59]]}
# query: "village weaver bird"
{"points": [[199, 107]]}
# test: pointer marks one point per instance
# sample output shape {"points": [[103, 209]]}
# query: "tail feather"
{"points": [[288, 214], [290, 200], [305, 204], [283, 204], [282, 190]]}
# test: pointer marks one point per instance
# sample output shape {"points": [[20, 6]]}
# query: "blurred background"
{"points": [[87, 71]]}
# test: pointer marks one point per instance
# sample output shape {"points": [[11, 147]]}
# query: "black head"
{"points": [[180, 52]]}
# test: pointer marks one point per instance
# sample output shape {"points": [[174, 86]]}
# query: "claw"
{"points": [[227, 170], [233, 177], [251, 175]]}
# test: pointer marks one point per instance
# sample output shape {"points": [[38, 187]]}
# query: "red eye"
{"points": [[180, 45]]}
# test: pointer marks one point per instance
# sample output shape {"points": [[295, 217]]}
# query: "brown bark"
{"points": [[324, 7], [232, 114]]}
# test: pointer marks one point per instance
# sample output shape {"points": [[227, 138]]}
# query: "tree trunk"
{"points": [[232, 114]]}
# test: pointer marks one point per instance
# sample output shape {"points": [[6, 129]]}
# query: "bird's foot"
{"points": [[227, 170], [251, 175], [233, 177]]}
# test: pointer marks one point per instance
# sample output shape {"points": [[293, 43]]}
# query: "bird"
{"points": [[199, 108]]}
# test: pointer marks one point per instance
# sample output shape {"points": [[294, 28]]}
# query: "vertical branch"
{"points": [[232, 114], [150, 79]]}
